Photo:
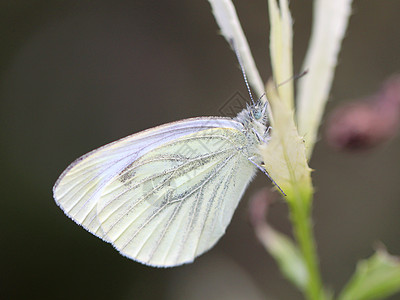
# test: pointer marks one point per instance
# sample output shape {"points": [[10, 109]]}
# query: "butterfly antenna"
{"points": [[235, 49], [294, 77]]}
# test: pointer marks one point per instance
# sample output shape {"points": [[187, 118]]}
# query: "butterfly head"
{"points": [[257, 112], [254, 120]]}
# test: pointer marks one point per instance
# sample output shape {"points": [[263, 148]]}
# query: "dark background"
{"points": [[75, 75]]}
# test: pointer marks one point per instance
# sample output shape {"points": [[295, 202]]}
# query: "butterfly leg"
{"points": [[262, 169], [264, 139], [267, 133]]}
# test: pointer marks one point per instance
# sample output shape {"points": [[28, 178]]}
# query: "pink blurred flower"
{"points": [[366, 123]]}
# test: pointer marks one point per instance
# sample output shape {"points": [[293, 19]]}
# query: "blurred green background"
{"points": [[75, 75]]}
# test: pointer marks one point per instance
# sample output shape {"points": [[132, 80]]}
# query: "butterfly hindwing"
{"points": [[162, 196], [175, 202]]}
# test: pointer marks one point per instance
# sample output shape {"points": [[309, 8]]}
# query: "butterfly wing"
{"points": [[162, 196], [78, 188]]}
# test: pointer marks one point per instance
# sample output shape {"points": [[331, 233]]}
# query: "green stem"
{"points": [[301, 218]]}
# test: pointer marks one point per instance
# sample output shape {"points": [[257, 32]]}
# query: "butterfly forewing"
{"points": [[162, 196]]}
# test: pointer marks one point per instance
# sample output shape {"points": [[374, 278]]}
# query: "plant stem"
{"points": [[300, 210]]}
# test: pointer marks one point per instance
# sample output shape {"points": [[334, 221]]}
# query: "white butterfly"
{"points": [[165, 195]]}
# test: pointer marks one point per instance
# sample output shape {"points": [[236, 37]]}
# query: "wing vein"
{"points": [[172, 171], [223, 164], [162, 207]]}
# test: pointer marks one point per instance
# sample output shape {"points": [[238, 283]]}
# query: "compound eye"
{"points": [[257, 114]]}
